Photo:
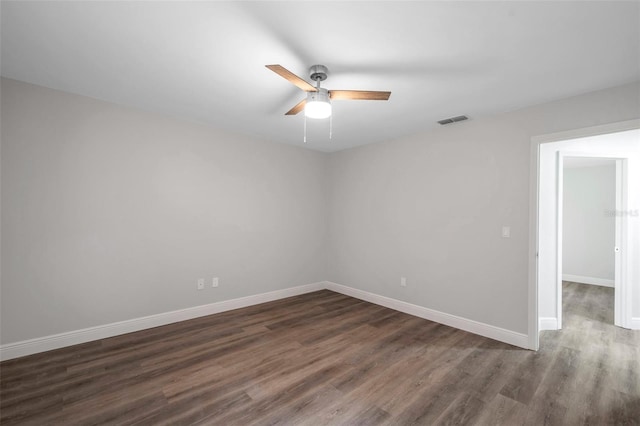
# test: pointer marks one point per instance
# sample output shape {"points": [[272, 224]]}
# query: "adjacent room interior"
{"points": [[320, 213], [589, 225]]}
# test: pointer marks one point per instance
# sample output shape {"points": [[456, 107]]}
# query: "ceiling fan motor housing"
{"points": [[318, 72], [322, 95], [318, 104]]}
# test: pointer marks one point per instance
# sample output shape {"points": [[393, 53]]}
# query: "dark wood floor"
{"points": [[324, 358]]}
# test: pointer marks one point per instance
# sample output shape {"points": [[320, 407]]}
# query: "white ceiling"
{"points": [[205, 60]]}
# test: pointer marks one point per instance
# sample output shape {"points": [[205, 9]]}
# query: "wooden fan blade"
{"points": [[366, 95], [291, 77], [296, 109]]}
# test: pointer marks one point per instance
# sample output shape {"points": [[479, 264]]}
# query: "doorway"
{"points": [[589, 195], [619, 141]]}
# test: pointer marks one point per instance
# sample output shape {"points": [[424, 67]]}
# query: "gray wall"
{"points": [[430, 207], [110, 213], [588, 231]]}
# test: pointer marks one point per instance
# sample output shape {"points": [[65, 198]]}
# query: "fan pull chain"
{"points": [[330, 125], [305, 129]]}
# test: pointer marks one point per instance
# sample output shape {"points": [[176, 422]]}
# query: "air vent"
{"points": [[453, 119]]}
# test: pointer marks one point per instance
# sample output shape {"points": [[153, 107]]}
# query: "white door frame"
{"points": [[620, 308], [534, 221]]}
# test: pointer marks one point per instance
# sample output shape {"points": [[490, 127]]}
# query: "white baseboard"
{"points": [[588, 280], [475, 327], [56, 341], [635, 323], [547, 324]]}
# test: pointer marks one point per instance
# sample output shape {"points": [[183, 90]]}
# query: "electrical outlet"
{"points": [[403, 281], [215, 282], [200, 284]]}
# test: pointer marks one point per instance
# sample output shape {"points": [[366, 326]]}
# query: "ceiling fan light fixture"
{"points": [[318, 104]]}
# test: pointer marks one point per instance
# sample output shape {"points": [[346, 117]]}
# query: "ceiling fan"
{"points": [[318, 101]]}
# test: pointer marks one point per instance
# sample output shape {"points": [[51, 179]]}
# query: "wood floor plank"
{"points": [[465, 409], [502, 411], [327, 359]]}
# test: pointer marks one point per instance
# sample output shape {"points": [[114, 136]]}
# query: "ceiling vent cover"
{"points": [[453, 119]]}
